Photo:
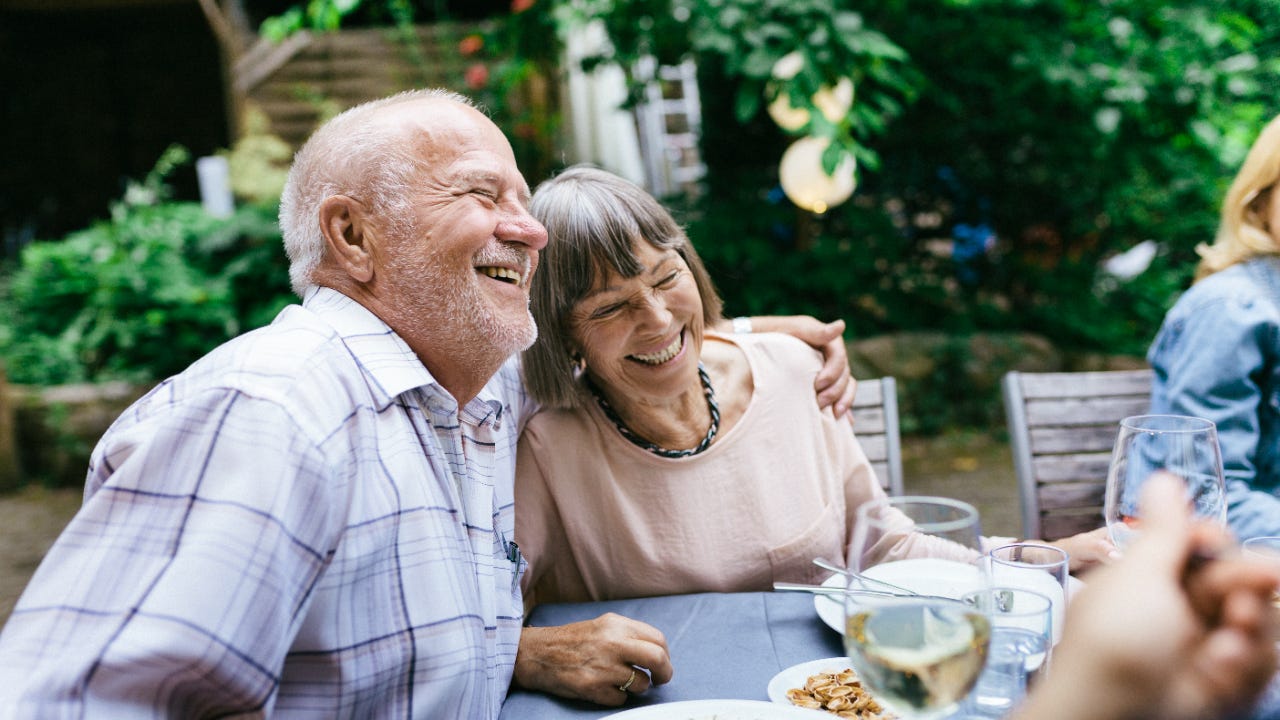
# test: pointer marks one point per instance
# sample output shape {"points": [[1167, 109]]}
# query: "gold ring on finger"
{"points": [[626, 686]]}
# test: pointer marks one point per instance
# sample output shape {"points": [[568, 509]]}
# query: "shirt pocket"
{"points": [[792, 561]]}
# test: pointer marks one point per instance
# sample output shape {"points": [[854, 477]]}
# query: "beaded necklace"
{"points": [[629, 434]]}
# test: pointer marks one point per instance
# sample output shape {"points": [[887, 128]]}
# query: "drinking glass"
{"points": [[1021, 627], [918, 652], [1148, 445], [1034, 566], [1266, 548]]}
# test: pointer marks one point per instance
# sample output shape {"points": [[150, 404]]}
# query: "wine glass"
{"points": [[1151, 445], [919, 652]]}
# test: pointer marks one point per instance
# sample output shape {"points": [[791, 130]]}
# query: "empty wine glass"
{"points": [[920, 655], [1151, 445]]}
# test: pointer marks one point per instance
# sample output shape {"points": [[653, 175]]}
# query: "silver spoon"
{"points": [[828, 565]]}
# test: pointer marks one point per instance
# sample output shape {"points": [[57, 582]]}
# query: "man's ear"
{"points": [[346, 231]]}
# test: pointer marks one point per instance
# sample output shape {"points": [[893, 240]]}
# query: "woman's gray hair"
{"points": [[594, 220], [353, 155]]}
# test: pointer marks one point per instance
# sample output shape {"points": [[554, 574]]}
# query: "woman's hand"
{"points": [[1088, 549], [593, 659]]}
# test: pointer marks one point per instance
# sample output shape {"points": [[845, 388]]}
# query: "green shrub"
{"points": [[141, 295]]}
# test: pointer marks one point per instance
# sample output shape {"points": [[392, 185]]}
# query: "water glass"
{"points": [[1267, 549], [1034, 566], [1021, 626]]}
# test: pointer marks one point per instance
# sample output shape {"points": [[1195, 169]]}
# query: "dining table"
{"points": [[722, 646]]}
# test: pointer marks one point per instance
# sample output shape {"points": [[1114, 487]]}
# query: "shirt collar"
{"points": [[391, 367]]}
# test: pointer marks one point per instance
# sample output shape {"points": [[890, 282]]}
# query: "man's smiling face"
{"points": [[472, 247]]}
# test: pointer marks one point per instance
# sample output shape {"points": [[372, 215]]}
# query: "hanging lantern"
{"points": [[805, 182], [833, 102]]}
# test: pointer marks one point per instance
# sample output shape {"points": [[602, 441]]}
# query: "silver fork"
{"points": [[863, 579]]}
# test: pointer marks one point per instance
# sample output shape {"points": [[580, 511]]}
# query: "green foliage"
{"points": [[143, 294], [856, 266], [1078, 130], [1074, 130], [744, 40], [323, 15]]}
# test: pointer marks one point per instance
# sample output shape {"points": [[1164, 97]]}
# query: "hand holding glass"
{"points": [[918, 654], [1149, 445]]}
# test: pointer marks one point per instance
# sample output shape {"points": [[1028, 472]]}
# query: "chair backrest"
{"points": [[875, 421], [1062, 427]]}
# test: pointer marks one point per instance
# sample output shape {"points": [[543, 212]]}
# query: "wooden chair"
{"points": [[1062, 427], [875, 421]]}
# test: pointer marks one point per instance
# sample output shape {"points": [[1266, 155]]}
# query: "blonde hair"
{"points": [[1243, 233]]}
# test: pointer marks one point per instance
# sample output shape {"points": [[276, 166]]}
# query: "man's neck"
{"points": [[460, 365], [462, 376]]}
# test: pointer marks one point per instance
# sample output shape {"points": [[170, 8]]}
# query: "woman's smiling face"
{"points": [[641, 337]]}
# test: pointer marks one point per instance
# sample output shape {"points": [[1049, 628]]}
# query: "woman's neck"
{"points": [[675, 422]]}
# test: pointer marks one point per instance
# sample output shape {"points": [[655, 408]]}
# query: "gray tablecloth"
{"points": [[722, 646]]}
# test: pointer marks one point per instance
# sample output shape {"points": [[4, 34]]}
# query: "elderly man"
{"points": [[315, 518]]}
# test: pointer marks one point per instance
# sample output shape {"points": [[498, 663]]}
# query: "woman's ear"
{"points": [[345, 229]]}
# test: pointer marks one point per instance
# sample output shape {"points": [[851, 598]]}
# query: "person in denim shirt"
{"points": [[1217, 355]]}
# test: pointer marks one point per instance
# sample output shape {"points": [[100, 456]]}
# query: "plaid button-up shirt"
{"points": [[303, 523]]}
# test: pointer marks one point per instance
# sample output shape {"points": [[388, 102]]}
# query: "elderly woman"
{"points": [[669, 458], [1217, 354]]}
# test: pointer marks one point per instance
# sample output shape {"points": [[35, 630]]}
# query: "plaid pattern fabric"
{"points": [[303, 524]]}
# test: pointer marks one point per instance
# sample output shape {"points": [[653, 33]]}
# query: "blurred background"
{"points": [[974, 186]]}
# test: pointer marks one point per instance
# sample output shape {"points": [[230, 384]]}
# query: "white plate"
{"points": [[717, 710], [831, 607], [796, 676], [924, 575]]}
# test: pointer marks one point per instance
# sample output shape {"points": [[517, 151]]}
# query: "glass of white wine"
{"points": [[1150, 445], [919, 652]]}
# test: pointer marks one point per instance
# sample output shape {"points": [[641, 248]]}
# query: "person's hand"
{"points": [[834, 384], [1163, 633], [593, 659], [1088, 549]]}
